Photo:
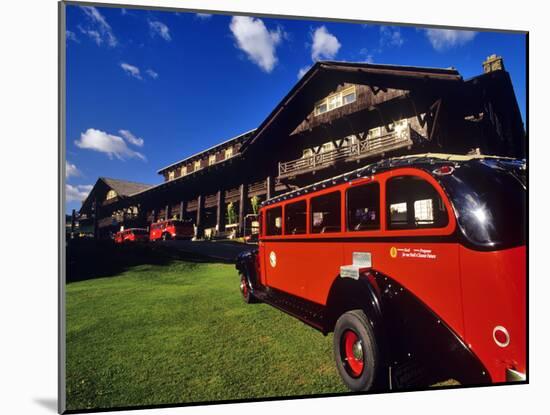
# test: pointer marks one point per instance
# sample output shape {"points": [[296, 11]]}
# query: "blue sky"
{"points": [[147, 88]]}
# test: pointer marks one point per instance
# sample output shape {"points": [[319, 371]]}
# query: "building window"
{"points": [[171, 175], [229, 152], [413, 203], [295, 218], [273, 220], [337, 100], [363, 203], [308, 152], [197, 165], [111, 194], [183, 171], [325, 148], [211, 159], [325, 213]]}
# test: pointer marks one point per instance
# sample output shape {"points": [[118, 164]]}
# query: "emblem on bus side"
{"points": [[273, 259], [393, 251]]}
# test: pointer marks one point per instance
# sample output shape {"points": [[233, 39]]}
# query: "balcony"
{"points": [[368, 147]]}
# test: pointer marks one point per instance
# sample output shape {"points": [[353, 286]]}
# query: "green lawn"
{"points": [[175, 333]]}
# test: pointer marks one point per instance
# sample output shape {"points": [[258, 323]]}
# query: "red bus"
{"points": [[131, 235], [416, 264], [171, 229]]}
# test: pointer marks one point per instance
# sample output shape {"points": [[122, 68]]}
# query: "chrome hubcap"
{"points": [[357, 350]]}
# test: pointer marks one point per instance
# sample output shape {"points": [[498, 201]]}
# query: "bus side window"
{"points": [[295, 218], [363, 204], [273, 219], [413, 203], [325, 213]]}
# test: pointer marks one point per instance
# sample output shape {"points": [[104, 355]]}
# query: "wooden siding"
{"points": [[366, 97]]}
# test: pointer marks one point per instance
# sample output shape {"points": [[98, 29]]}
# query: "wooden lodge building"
{"points": [[338, 116]]}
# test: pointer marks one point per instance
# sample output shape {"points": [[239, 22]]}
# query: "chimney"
{"points": [[493, 63]]}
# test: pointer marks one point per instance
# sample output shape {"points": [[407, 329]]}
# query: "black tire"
{"points": [[248, 297], [362, 369]]}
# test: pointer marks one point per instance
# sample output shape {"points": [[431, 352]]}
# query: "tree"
{"points": [[231, 213], [255, 202]]}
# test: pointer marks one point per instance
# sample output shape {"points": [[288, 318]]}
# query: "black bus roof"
{"points": [[426, 161]]}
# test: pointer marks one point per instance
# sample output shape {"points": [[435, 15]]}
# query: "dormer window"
{"points": [[171, 175], [228, 152], [337, 100], [197, 165], [183, 170], [211, 159], [111, 194]]}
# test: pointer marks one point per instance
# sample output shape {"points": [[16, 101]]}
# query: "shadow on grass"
{"points": [[89, 259]]}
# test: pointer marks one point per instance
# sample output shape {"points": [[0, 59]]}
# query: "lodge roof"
{"points": [[413, 160], [125, 188], [318, 81], [240, 137]]}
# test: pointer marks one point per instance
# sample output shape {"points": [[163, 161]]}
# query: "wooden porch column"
{"points": [[183, 207], [199, 225], [270, 185], [220, 211], [243, 196]]}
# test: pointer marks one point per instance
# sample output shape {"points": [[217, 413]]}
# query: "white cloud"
{"points": [[252, 37], [112, 145], [203, 16], [71, 36], [159, 28], [325, 45], [131, 70], [152, 73], [390, 36], [101, 30], [71, 170], [442, 39], [303, 71], [132, 139], [77, 193], [369, 57]]}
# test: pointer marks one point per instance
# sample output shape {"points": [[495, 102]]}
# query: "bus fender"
{"points": [[348, 294], [246, 265]]}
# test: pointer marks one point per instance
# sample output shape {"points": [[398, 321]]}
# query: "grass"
{"points": [[179, 332]]}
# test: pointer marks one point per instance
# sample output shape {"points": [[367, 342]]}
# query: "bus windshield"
{"points": [[490, 200]]}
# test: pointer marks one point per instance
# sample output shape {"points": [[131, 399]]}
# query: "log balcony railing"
{"points": [[364, 148]]}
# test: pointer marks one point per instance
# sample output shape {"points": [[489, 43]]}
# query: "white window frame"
{"points": [[337, 99], [228, 153], [197, 165], [111, 194], [211, 159]]}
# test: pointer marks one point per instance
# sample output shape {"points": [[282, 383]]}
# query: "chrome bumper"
{"points": [[514, 376]]}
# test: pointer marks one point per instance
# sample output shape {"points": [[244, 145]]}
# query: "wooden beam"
{"points": [[220, 211], [199, 231], [243, 198]]}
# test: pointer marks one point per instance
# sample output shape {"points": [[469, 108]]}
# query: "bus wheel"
{"points": [[245, 291], [356, 352]]}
